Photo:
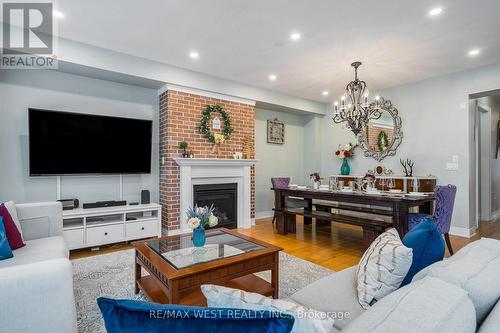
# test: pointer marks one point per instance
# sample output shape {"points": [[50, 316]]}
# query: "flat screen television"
{"points": [[66, 143]]}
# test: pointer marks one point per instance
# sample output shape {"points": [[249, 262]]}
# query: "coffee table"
{"points": [[177, 269]]}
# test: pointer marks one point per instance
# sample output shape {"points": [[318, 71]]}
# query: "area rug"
{"points": [[112, 275]]}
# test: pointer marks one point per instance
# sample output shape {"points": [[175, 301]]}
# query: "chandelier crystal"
{"points": [[357, 111]]}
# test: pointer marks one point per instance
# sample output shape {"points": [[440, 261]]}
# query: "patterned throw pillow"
{"points": [[382, 268], [306, 319]]}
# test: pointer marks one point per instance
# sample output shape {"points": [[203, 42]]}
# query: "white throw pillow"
{"points": [[11, 207], [382, 267], [306, 319]]}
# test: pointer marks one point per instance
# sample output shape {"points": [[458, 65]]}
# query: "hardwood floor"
{"points": [[340, 248]]}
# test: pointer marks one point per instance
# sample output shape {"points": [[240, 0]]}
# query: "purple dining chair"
{"points": [[445, 200], [279, 182]]}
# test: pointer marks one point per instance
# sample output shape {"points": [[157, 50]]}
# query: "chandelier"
{"points": [[357, 111]]}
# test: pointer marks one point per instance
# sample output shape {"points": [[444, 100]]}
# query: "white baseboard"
{"points": [[495, 215], [463, 232], [264, 215]]}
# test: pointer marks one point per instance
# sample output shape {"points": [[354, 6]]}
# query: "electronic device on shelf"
{"points": [[69, 203], [145, 197], [100, 204]]}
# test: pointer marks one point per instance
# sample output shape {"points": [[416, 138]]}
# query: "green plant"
{"points": [[382, 141], [205, 120], [183, 145]]}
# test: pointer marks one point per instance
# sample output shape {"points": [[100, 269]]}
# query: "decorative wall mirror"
{"points": [[382, 134]]}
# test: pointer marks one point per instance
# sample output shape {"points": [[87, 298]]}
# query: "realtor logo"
{"points": [[27, 36]]}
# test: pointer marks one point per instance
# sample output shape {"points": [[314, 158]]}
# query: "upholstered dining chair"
{"points": [[283, 182], [445, 200]]}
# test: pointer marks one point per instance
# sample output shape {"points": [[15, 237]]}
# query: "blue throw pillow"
{"points": [[5, 251], [127, 316], [428, 247]]}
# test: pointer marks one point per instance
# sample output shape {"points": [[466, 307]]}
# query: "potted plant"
{"points": [[198, 218], [183, 145], [345, 152]]}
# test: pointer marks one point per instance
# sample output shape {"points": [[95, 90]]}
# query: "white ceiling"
{"points": [[246, 40]]}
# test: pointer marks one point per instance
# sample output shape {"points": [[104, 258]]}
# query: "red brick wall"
{"points": [[373, 131], [180, 115]]}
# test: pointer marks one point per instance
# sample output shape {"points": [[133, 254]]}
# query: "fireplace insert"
{"points": [[224, 197]]}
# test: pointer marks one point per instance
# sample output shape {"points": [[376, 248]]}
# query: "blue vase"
{"points": [[199, 237], [345, 169]]}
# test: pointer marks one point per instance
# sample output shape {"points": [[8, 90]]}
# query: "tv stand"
{"points": [[93, 227]]}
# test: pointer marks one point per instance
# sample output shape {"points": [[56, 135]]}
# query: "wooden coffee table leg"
{"points": [[173, 293], [275, 276], [137, 276]]}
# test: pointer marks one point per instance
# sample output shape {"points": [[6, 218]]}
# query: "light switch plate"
{"points": [[454, 158], [452, 166]]}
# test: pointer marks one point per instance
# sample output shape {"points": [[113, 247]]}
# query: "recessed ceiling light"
{"points": [[57, 14], [194, 55], [272, 77], [474, 52], [325, 93], [295, 36], [435, 11]]}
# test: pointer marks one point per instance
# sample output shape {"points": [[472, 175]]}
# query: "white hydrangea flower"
{"points": [[213, 220], [194, 222]]}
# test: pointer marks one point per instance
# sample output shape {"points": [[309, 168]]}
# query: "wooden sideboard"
{"points": [[426, 183]]}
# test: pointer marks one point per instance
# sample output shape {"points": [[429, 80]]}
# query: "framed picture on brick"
{"points": [[275, 132]]}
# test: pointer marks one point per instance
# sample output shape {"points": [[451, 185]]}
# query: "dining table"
{"points": [[377, 211]]}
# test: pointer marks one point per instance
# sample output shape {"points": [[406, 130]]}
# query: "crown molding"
{"points": [[205, 93]]}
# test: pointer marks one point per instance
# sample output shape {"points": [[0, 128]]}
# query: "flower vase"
{"points": [[316, 185], [345, 169], [199, 237]]}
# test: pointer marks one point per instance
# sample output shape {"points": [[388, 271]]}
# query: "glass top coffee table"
{"points": [[176, 269]]}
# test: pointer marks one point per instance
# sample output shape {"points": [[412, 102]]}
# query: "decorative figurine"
{"points": [[407, 167]]}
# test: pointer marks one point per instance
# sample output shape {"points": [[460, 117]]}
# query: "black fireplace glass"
{"points": [[224, 197]]}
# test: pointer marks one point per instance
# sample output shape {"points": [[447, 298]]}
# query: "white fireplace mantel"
{"points": [[213, 162], [197, 171]]}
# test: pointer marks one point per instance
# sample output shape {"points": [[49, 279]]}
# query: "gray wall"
{"points": [[287, 160], [436, 126], [20, 90]]}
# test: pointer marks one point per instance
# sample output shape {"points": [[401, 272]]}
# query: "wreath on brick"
{"points": [[382, 141], [205, 122]]}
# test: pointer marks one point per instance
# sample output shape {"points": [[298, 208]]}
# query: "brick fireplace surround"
{"points": [[180, 114]]}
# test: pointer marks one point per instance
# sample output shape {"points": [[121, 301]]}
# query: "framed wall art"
{"points": [[275, 132]]}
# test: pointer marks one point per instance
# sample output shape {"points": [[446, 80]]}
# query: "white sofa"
{"points": [[458, 295], [36, 285]]}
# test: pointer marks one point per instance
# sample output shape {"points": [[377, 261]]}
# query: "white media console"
{"points": [[99, 226]]}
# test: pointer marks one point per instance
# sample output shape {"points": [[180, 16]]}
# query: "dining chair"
{"points": [[283, 182], [445, 200], [279, 182]]}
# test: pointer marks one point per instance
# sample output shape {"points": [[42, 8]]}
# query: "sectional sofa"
{"points": [[36, 285], [457, 295]]}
